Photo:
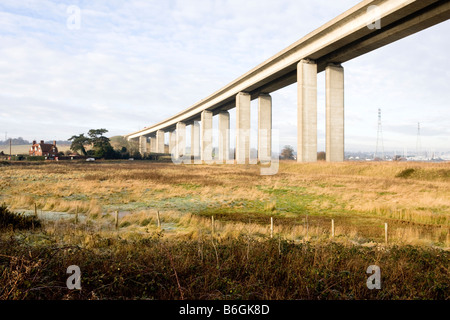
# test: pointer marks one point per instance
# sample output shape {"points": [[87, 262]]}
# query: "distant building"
{"points": [[44, 149]]}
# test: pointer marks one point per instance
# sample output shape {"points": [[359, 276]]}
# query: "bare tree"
{"points": [[321, 156], [287, 153]]}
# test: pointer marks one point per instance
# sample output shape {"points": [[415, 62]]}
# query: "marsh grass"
{"points": [[359, 196], [239, 260], [57, 204], [134, 265]]}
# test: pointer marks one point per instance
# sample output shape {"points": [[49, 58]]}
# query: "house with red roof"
{"points": [[44, 149]]}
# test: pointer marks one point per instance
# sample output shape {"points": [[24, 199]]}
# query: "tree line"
{"points": [[95, 144], [100, 147]]}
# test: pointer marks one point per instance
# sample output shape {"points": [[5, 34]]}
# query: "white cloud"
{"points": [[136, 63]]}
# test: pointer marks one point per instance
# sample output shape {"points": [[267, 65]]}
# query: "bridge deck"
{"points": [[342, 39]]}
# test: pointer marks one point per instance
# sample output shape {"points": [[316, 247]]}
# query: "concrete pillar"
{"points": [[159, 141], [224, 136], [334, 142], [142, 145], [264, 128], [172, 142], [149, 144], [206, 136], [153, 144], [307, 111], [195, 139], [180, 139], [243, 128]]}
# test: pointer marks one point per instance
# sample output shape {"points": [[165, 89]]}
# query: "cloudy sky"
{"points": [[125, 65]]}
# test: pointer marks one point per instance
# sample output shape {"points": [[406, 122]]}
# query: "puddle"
{"points": [[51, 215], [168, 226]]}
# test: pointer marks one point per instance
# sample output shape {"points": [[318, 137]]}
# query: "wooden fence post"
{"points": [[117, 220], [271, 227], [76, 215], [158, 220], [332, 228], [386, 233]]}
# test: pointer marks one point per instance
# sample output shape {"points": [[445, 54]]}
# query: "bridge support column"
{"points": [[243, 128], [142, 145], [172, 142], [195, 139], [264, 128], [334, 113], [180, 139], [206, 136], [150, 144], [307, 111], [224, 136], [159, 141], [153, 144]]}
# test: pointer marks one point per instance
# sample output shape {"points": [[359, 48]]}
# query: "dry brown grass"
{"points": [[141, 264], [239, 260], [359, 196]]}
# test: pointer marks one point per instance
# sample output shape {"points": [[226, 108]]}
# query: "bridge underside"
{"points": [[353, 33], [422, 17]]}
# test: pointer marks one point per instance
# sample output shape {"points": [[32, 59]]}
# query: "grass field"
{"points": [[240, 258]]}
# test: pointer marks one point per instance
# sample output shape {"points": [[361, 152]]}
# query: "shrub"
{"points": [[17, 220], [36, 158], [17, 158], [405, 173], [125, 224]]}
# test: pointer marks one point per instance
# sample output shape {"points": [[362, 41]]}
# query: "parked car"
{"points": [[90, 159]]}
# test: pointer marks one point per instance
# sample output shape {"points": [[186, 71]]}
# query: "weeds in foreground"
{"points": [[17, 221], [183, 260], [209, 268]]}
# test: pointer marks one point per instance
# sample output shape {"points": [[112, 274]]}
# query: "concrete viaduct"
{"points": [[367, 26]]}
